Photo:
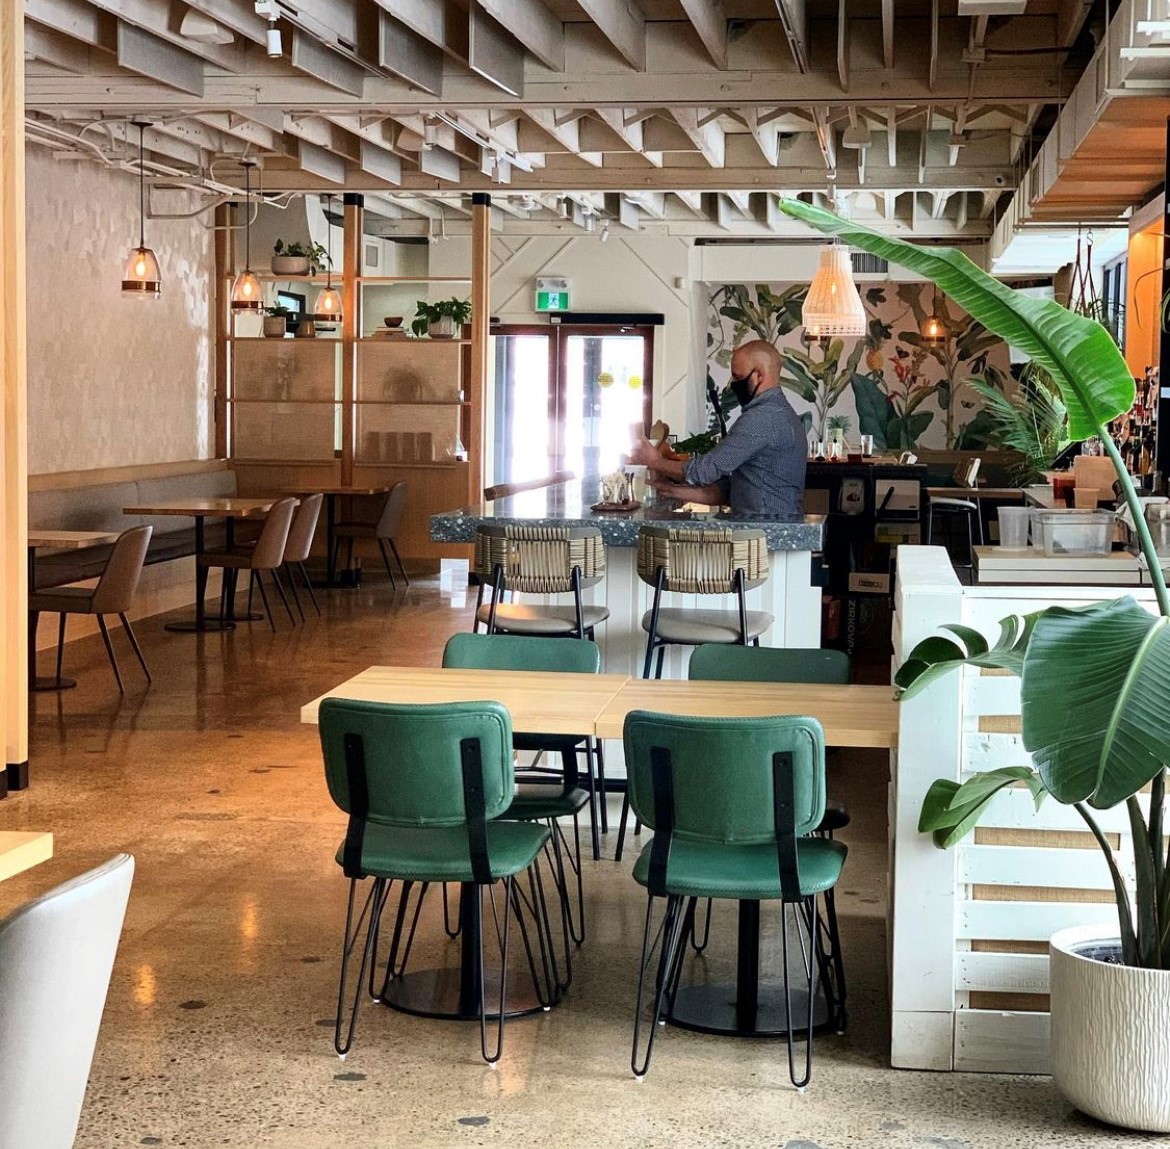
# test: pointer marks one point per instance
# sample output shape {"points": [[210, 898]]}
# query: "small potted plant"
{"points": [[442, 319], [299, 258], [1093, 685], [275, 321]]}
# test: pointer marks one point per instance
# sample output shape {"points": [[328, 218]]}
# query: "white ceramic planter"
{"points": [[1110, 1033], [442, 328]]}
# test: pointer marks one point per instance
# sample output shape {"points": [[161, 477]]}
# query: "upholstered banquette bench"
{"points": [[98, 507]]}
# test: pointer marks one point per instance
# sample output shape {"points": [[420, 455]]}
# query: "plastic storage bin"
{"points": [[1073, 532]]}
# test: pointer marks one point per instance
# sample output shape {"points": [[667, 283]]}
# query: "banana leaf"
{"points": [[1079, 354], [1093, 694], [950, 811]]}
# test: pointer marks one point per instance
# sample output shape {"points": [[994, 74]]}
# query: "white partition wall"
{"points": [[969, 926]]}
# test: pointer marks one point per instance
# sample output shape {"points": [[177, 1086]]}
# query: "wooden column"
{"points": [[351, 324], [225, 262], [1162, 431], [14, 415], [481, 304]]}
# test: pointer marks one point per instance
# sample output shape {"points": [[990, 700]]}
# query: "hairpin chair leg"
{"points": [[375, 901], [670, 932], [492, 1058]]}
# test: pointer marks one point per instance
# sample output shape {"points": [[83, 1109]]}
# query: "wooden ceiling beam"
{"points": [[533, 25], [710, 25], [888, 33], [623, 25], [794, 22]]}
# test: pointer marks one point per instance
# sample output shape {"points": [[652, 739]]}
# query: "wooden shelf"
{"points": [[414, 341], [282, 402], [410, 402], [413, 279], [327, 337]]}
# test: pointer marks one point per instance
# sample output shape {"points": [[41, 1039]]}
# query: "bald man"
{"points": [[759, 467]]}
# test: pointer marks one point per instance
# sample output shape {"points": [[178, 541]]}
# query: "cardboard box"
{"points": [[869, 582]]}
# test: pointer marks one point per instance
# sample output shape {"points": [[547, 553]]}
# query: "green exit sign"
{"points": [[552, 294], [552, 301]]}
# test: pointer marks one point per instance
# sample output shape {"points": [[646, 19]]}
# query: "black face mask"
{"points": [[742, 389]]}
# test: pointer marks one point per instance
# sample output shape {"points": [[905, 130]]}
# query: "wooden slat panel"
{"points": [[1012, 865], [1001, 1042], [1009, 946], [1014, 1002], [1036, 921], [1038, 836], [1016, 973], [999, 724], [1051, 894], [1014, 807]]}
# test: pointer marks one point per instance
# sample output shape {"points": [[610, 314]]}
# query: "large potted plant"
{"points": [[442, 319], [1095, 718]]}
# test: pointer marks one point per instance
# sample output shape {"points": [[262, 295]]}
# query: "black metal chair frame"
{"points": [[370, 914], [951, 511], [679, 917]]}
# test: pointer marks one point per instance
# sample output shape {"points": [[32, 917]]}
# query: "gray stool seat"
{"points": [[836, 818], [955, 504], [514, 618], [695, 627]]}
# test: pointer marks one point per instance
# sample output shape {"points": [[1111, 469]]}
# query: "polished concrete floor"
{"points": [[218, 1025]]}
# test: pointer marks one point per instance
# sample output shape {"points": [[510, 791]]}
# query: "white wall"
{"points": [[112, 380]]}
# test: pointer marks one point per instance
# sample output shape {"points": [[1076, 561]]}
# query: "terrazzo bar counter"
{"points": [[789, 594]]}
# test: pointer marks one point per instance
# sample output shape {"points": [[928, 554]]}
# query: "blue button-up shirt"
{"points": [[761, 461]]}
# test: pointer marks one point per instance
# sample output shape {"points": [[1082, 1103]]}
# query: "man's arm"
{"points": [[712, 495], [726, 456], [648, 456]]}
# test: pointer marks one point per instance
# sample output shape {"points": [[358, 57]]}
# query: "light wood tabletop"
{"points": [[851, 715], [68, 540], [538, 703], [1005, 493], [230, 507], [20, 851]]}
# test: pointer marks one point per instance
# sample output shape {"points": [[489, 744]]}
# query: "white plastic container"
{"points": [[1060, 533]]}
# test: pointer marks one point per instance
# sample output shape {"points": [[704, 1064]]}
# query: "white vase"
{"points": [[442, 328], [1110, 1033]]}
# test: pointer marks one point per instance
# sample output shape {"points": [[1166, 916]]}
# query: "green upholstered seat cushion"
{"points": [[515, 652], [541, 801], [749, 872], [441, 853]]}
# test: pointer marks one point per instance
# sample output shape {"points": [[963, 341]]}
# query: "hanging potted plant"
{"points": [[442, 319], [299, 258], [1094, 684], [275, 321]]}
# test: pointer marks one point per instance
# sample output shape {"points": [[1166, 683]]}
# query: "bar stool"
{"points": [[701, 561], [952, 508], [539, 560]]}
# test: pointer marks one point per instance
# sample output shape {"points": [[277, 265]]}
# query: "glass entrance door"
{"points": [[566, 398]]}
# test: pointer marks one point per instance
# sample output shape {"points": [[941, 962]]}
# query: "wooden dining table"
{"points": [[20, 850], [229, 508], [48, 539]]}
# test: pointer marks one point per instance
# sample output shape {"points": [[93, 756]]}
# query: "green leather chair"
{"points": [[552, 793], [424, 788], [732, 803]]}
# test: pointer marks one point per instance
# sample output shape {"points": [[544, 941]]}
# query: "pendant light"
{"points": [[247, 294], [833, 306], [329, 301], [932, 329], [140, 274]]}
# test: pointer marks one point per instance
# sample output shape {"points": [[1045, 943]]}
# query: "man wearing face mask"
{"points": [[759, 467]]}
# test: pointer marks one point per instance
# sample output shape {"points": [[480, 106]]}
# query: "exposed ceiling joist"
{"points": [[533, 25], [888, 33], [159, 60], [710, 24], [794, 20], [623, 25], [493, 53], [156, 19], [707, 137], [55, 48]]}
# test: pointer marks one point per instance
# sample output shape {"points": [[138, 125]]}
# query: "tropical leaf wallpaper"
{"points": [[888, 383]]}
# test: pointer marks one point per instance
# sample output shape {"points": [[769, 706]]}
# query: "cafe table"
{"points": [[21, 850], [229, 508], [332, 494], [59, 541], [598, 704]]}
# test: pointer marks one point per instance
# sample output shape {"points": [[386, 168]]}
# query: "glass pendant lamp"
{"points": [[329, 301], [140, 274], [833, 306], [932, 329], [247, 294]]}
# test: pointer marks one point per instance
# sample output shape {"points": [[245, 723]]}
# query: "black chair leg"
{"points": [[671, 933], [61, 644], [276, 580], [134, 645], [398, 560], [386, 562], [308, 586], [251, 588], [263, 598], [599, 757], [375, 901], [661, 658], [292, 586], [811, 970], [594, 819], [110, 652], [491, 1059]]}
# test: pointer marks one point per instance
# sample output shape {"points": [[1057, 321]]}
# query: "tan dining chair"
{"points": [[266, 554], [296, 549], [382, 527], [722, 561], [114, 594], [542, 561]]}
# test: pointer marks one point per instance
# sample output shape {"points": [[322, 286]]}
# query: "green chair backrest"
{"points": [[722, 773], [412, 759], [516, 652], [717, 662]]}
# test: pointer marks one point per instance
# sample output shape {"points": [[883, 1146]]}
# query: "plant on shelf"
{"points": [[275, 321], [1093, 683], [441, 319], [299, 258]]}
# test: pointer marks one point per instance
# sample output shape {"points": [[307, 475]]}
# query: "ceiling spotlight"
{"points": [[268, 10], [430, 132], [604, 230], [562, 207], [590, 223]]}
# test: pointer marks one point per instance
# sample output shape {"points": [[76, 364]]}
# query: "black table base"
{"points": [[437, 993], [713, 1009], [46, 685]]}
